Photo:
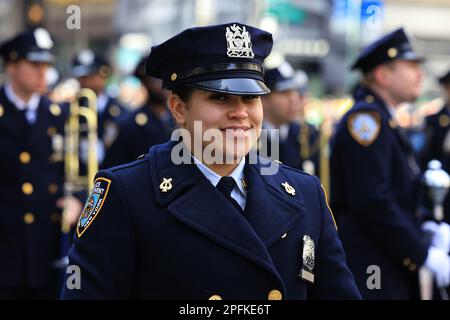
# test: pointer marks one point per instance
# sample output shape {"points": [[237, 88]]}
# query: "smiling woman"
{"points": [[202, 229]]}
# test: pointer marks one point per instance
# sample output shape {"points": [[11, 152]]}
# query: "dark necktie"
{"points": [[226, 185]]}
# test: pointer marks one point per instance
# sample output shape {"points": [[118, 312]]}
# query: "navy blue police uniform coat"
{"points": [[437, 127], [111, 115], [375, 194], [31, 181], [296, 149], [190, 242], [137, 132], [293, 151]]}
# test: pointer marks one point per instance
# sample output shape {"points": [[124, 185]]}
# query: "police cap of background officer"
{"points": [[33, 45], [86, 62], [393, 46]]}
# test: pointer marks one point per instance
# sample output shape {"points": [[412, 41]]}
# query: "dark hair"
{"points": [[184, 92]]}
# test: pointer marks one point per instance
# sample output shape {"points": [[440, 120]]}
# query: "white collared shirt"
{"points": [[31, 106], [238, 193]]}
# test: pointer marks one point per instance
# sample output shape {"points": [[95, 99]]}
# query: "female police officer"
{"points": [[160, 229]]}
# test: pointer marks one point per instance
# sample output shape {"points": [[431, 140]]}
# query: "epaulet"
{"points": [[135, 163]]}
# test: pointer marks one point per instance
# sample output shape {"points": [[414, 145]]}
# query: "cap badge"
{"points": [[86, 57], [43, 39], [239, 44]]}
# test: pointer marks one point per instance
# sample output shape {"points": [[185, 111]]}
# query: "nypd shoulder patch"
{"points": [[93, 204], [364, 127]]}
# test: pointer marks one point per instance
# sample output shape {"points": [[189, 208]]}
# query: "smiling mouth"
{"points": [[235, 128]]}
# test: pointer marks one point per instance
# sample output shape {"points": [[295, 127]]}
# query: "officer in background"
{"points": [[149, 125], [92, 71], [437, 127], [202, 229], [375, 187], [31, 170], [298, 141]]}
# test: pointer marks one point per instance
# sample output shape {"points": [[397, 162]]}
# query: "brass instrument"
{"points": [[75, 181]]}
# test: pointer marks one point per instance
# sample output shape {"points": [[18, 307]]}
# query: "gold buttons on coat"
{"points": [[28, 218], [55, 109], [114, 111], [51, 131], [52, 188], [27, 188], [406, 262], [24, 157], [141, 119], [369, 98], [2, 111], [275, 295], [215, 297]]}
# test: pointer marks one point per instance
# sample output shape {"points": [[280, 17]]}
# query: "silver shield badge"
{"points": [[239, 44], [308, 256]]}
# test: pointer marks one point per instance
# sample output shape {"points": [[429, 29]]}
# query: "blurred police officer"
{"points": [[298, 142], [31, 170], [92, 71], [437, 127], [160, 229], [375, 179], [149, 125]]}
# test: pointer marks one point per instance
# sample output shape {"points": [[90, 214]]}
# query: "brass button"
{"points": [[444, 120], [215, 297], [412, 267], [27, 188], [55, 109], [284, 236], [51, 131], [52, 188], [55, 217], [141, 119], [369, 98], [28, 218], [174, 76], [13, 56], [406, 262], [392, 123], [2, 111], [24, 157], [114, 111], [274, 295], [392, 52]]}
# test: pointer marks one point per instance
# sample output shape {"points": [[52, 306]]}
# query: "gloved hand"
{"points": [[440, 234], [439, 263]]}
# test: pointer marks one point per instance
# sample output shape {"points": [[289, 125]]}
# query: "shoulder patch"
{"points": [[364, 127], [93, 204]]}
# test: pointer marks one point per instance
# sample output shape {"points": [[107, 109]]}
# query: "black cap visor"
{"points": [[236, 86]]}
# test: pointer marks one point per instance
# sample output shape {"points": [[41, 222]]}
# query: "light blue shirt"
{"points": [[238, 193], [31, 106]]}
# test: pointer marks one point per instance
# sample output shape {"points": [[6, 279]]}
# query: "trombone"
{"points": [[75, 180]]}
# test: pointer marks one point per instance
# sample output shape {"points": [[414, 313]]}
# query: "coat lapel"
{"points": [[270, 212], [198, 204]]}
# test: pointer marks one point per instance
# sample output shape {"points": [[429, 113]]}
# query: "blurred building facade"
{"points": [[320, 36]]}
